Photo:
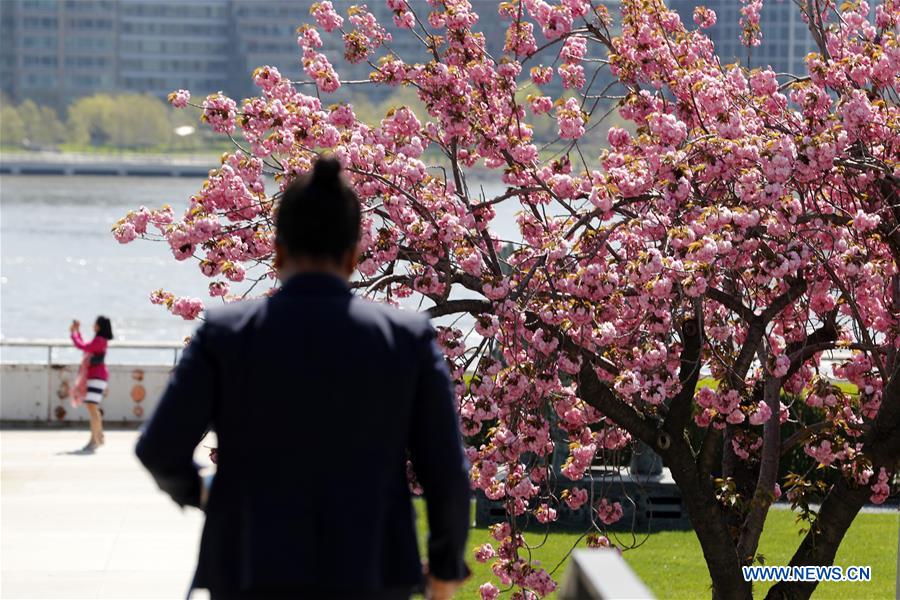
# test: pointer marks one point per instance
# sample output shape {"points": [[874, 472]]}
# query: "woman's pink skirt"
{"points": [[78, 391]]}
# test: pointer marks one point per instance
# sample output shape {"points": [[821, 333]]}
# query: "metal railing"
{"points": [[50, 344]]}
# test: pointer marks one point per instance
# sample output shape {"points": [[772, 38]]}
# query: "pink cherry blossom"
{"points": [[219, 111], [488, 591], [570, 119], [752, 33], [187, 308], [608, 512], [484, 553], [179, 98], [576, 498], [326, 17], [704, 17], [761, 415], [124, 232], [541, 75], [880, 489]]}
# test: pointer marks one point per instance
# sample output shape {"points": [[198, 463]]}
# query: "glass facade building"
{"points": [[164, 46], [55, 50], [785, 37]]}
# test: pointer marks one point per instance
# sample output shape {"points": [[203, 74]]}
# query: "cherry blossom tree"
{"points": [[681, 289]]}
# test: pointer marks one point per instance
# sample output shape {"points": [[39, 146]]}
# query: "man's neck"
{"points": [[289, 271]]}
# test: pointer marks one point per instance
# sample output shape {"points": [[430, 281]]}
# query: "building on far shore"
{"points": [[786, 39], [50, 51], [164, 46], [53, 51]]}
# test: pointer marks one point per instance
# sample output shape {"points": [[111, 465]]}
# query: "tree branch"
{"points": [[800, 437], [821, 339], [843, 501], [768, 475], [758, 328], [688, 374], [820, 544], [472, 306], [706, 457], [597, 394], [731, 303]]}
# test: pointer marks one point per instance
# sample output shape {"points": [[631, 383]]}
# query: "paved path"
{"points": [[89, 526]]}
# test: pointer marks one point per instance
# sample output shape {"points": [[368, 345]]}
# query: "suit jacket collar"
{"points": [[316, 283]]}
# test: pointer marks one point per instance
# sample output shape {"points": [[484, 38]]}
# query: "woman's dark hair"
{"points": [[104, 328], [319, 214]]}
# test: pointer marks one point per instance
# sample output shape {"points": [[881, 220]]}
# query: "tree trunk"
{"points": [[843, 502], [764, 494], [744, 474], [709, 524], [820, 545]]}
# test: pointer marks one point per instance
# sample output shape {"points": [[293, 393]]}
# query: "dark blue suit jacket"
{"points": [[316, 397]]}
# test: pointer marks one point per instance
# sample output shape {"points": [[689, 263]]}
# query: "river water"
{"points": [[59, 261]]}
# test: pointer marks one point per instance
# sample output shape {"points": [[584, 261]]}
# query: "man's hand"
{"points": [[440, 589], [205, 485]]}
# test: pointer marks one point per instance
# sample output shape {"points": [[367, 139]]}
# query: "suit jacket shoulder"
{"points": [[229, 320], [416, 323], [233, 317], [406, 333]]}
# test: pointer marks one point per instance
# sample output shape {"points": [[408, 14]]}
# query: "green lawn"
{"points": [[845, 386], [671, 563]]}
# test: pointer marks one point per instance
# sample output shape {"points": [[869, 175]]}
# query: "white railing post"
{"points": [[601, 574], [49, 382]]}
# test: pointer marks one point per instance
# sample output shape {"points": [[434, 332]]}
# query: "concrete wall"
{"points": [[39, 394]]}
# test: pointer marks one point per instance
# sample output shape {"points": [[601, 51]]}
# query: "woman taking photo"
{"points": [[90, 384]]}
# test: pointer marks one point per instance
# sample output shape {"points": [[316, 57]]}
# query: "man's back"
{"points": [[317, 398]]}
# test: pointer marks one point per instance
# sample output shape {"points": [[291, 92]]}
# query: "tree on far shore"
{"points": [[128, 121], [31, 126], [12, 128]]}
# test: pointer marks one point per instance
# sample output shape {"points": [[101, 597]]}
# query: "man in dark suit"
{"points": [[317, 398]]}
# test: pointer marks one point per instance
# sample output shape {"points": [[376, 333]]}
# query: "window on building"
{"points": [[42, 5], [45, 42], [37, 60], [39, 80], [81, 23], [40, 22]]}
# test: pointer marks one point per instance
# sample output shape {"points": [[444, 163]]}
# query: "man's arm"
{"points": [[440, 465], [166, 447]]}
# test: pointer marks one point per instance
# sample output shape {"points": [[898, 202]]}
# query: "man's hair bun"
{"points": [[326, 171], [319, 214]]}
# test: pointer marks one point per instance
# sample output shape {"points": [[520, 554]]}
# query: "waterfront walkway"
{"points": [[89, 526], [124, 164]]}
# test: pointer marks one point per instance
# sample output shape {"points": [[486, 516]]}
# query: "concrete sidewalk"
{"points": [[89, 526]]}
